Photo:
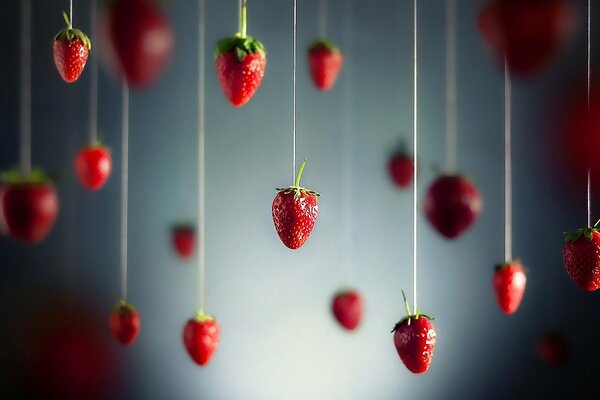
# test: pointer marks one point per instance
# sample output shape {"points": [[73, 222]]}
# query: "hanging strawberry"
{"points": [[240, 62], [401, 169], [183, 238], [125, 323], [141, 38], [581, 255], [201, 336], [324, 62], [509, 284], [71, 50], [452, 204], [93, 166], [347, 308], [295, 210]]}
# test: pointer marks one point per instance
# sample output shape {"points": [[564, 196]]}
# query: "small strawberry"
{"points": [[452, 204], [581, 255], [29, 206], [347, 307], [414, 338], [125, 323], [553, 348], [183, 238], [201, 336], [324, 61], [93, 166], [509, 283], [295, 210], [71, 50], [401, 169]]}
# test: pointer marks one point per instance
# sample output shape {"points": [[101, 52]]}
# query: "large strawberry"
{"points": [[347, 307], [183, 238], [414, 338], [93, 166], [201, 336], [401, 169], [29, 206], [581, 255], [125, 323], [295, 210], [71, 50], [452, 204], [509, 283], [324, 62], [141, 38]]}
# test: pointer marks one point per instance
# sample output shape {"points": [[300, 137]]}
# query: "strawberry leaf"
{"points": [[241, 46], [15, 176], [323, 44], [587, 233]]}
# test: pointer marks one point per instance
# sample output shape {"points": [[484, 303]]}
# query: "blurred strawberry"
{"points": [[183, 238], [347, 307], [125, 323], [553, 348], [509, 284], [201, 336], [93, 166], [401, 169], [324, 62]]}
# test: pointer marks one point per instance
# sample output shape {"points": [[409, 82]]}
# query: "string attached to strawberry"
{"points": [[324, 58], [201, 333], [414, 335], [71, 49]]}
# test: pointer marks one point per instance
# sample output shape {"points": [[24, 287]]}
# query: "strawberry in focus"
{"points": [[553, 348], [71, 48], [347, 307], [295, 210], [509, 284], [183, 238], [581, 255], [125, 323], [93, 166], [201, 336], [401, 169], [324, 62]]}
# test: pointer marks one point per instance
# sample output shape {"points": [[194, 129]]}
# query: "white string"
{"points": [[415, 113], [451, 86], [589, 77], [71, 11], [507, 165], [124, 187], [240, 5], [25, 89], [294, 101], [94, 82], [201, 160], [322, 18]]}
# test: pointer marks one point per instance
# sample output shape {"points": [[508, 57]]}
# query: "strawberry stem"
{"points": [[406, 304], [67, 20], [596, 224], [243, 20], [300, 173]]}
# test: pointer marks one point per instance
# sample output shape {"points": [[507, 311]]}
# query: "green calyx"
{"points": [[409, 315], [16, 177], [296, 188], [71, 35], [323, 44], [241, 45], [587, 233], [201, 316], [123, 305], [515, 263]]}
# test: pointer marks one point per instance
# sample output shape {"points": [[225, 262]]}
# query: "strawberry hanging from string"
{"points": [[183, 239], [325, 62], [125, 323], [401, 168], [93, 166], [509, 285], [201, 336], [71, 50]]}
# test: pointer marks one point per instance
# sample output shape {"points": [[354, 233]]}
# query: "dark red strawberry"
{"points": [[125, 323], [414, 338], [553, 348], [29, 206], [581, 255], [452, 204], [529, 33], [141, 38], [509, 283], [183, 238], [401, 169], [71, 50], [324, 62], [93, 166], [201, 336], [347, 307], [295, 210]]}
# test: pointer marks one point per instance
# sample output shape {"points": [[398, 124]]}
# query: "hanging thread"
{"points": [[242, 18], [94, 82], [507, 165], [415, 128], [201, 160], [294, 99], [589, 82], [25, 90], [124, 186], [71, 12], [451, 96], [322, 18]]}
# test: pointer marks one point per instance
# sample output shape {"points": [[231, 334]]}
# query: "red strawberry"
{"points": [[201, 336], [142, 40], [509, 283], [295, 210], [324, 61], [401, 169], [93, 166], [452, 204], [29, 206], [414, 338], [71, 50], [347, 307], [183, 238], [553, 348], [581, 255], [125, 323]]}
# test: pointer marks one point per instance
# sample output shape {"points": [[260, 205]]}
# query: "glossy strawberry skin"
{"points": [[509, 284], [125, 323], [347, 307], [324, 64], [93, 166], [70, 58], [553, 348], [184, 241], [201, 339], [582, 261], [294, 217], [401, 170], [240, 79], [415, 343], [452, 204], [28, 210]]}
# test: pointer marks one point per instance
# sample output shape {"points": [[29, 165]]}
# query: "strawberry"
{"points": [[141, 38], [201, 336], [581, 255], [553, 348], [509, 283], [125, 323], [324, 61], [401, 169], [452, 204], [347, 307], [183, 239], [295, 210], [414, 338], [29, 206], [93, 166], [71, 50]]}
